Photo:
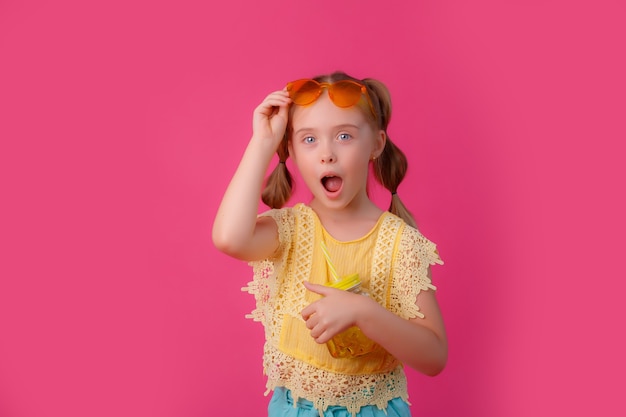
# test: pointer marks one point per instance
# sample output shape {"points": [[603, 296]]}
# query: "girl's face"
{"points": [[332, 147]]}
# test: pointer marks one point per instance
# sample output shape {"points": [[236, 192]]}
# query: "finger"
{"points": [[316, 331], [308, 312], [311, 322], [276, 99], [322, 338], [318, 289], [269, 104], [283, 111], [280, 96], [320, 335]]}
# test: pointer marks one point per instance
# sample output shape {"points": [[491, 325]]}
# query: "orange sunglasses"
{"points": [[344, 93]]}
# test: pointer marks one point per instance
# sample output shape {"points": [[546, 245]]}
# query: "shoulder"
{"points": [[282, 217], [290, 216], [286, 220], [413, 243], [288, 212], [406, 234], [277, 214], [414, 256]]}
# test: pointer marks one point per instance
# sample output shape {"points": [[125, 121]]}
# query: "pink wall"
{"points": [[121, 123]]}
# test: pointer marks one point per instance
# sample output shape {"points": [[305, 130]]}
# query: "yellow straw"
{"points": [[333, 271]]}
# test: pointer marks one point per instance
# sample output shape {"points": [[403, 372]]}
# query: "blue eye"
{"points": [[309, 139], [344, 136]]}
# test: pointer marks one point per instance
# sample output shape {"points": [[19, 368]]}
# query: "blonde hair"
{"points": [[389, 168]]}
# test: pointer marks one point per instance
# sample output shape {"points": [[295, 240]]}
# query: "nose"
{"points": [[328, 154]]}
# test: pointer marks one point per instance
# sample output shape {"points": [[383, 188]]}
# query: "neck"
{"points": [[347, 223]]}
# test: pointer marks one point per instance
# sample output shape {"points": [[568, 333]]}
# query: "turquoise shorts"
{"points": [[281, 405]]}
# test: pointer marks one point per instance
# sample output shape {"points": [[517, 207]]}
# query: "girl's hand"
{"points": [[269, 119], [334, 313]]}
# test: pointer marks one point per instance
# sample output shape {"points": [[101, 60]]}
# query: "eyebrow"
{"points": [[342, 126]]}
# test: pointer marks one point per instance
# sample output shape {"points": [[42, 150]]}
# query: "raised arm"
{"points": [[237, 231]]}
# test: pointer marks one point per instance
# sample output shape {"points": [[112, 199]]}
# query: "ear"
{"points": [[379, 145]]}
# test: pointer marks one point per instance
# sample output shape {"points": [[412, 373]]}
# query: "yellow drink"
{"points": [[351, 342]]}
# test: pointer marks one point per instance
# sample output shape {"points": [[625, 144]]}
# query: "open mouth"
{"points": [[332, 183]]}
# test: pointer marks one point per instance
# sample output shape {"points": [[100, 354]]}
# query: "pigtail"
{"points": [[390, 169], [391, 166], [279, 185]]}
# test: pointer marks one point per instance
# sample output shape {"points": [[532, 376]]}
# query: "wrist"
{"points": [[267, 142], [261, 147], [366, 308]]}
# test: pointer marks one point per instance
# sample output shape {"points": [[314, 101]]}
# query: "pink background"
{"points": [[121, 123]]}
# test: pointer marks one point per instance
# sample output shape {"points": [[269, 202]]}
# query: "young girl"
{"points": [[329, 351]]}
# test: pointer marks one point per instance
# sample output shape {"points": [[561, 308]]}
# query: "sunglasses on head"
{"points": [[344, 93]]}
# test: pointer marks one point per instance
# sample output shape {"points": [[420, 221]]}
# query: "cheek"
{"points": [[362, 157], [302, 161], [290, 148]]}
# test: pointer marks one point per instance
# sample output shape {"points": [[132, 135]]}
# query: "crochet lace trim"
{"points": [[414, 257], [325, 388], [265, 280]]}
